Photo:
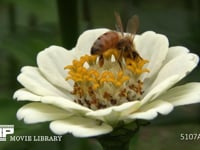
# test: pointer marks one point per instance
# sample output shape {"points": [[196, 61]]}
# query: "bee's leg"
{"points": [[120, 64], [101, 60], [135, 56], [119, 59]]}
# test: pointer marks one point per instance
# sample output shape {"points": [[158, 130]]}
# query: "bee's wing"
{"points": [[119, 25], [133, 25]]}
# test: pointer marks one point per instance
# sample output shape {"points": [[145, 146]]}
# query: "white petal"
{"points": [[65, 104], [23, 94], [80, 127], [151, 110], [33, 81], [181, 65], [174, 52], [87, 38], [154, 48], [39, 112], [113, 114], [51, 63], [160, 88], [183, 95]]}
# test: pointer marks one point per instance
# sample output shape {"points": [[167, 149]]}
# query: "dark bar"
{"points": [[68, 20]]}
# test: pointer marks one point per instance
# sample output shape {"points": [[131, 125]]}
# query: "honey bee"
{"points": [[118, 40]]}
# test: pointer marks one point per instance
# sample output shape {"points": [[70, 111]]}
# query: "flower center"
{"points": [[113, 83]]}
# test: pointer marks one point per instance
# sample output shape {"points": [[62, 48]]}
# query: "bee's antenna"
{"points": [[119, 25]]}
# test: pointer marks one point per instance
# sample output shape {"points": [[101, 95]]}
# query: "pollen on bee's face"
{"points": [[98, 87]]}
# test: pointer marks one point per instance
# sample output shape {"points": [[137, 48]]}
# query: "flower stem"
{"points": [[119, 139]]}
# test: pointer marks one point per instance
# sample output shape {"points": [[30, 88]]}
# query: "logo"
{"points": [[5, 130]]}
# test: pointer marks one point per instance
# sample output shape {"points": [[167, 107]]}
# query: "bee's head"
{"points": [[125, 44]]}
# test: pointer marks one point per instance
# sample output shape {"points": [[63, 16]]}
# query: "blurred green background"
{"points": [[29, 26]]}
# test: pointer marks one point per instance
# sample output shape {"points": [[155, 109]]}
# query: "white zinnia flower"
{"points": [[88, 100]]}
